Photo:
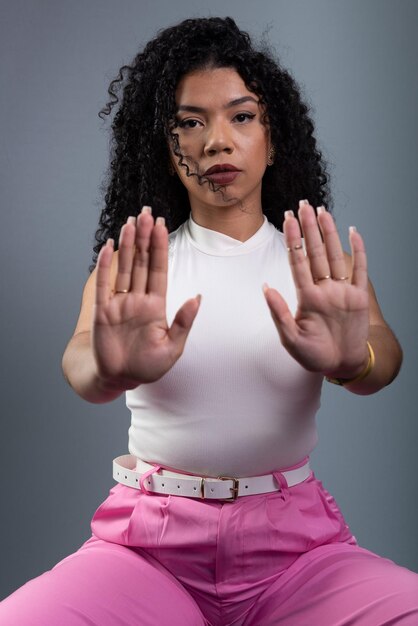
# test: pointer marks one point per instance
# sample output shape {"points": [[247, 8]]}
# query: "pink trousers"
{"points": [[281, 558]]}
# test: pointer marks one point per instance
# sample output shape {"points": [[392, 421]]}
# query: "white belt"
{"points": [[221, 488]]}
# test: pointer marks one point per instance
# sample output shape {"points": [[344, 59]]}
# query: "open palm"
{"points": [[329, 331], [132, 342]]}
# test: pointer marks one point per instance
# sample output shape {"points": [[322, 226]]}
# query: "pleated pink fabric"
{"points": [[281, 558]]}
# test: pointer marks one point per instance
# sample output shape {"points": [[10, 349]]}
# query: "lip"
{"points": [[222, 174], [221, 167]]}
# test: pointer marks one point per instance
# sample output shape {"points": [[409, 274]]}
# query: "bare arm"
{"points": [[386, 347], [79, 364], [122, 339], [80, 371], [337, 307]]}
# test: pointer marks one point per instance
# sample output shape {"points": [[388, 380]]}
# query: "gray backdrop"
{"points": [[356, 63]]}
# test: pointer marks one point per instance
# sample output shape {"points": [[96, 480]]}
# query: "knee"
{"points": [[405, 584], [101, 585], [399, 602], [29, 605]]}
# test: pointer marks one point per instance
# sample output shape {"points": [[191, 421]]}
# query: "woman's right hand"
{"points": [[132, 343]]}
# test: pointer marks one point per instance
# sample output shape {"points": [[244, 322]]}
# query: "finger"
{"points": [[125, 255], [315, 248], [144, 226], [299, 264], [334, 249], [282, 317], [183, 321], [158, 263], [359, 276], [104, 262]]}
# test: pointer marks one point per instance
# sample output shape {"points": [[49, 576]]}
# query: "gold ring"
{"points": [[297, 247], [316, 280], [342, 278], [121, 290]]}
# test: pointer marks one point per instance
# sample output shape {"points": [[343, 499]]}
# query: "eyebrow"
{"points": [[232, 103]]}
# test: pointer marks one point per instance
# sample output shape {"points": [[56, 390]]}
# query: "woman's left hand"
{"points": [[329, 331]]}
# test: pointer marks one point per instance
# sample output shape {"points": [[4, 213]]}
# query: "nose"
{"points": [[218, 139]]}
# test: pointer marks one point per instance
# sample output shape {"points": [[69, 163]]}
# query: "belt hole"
{"points": [[136, 480], [246, 486], [162, 484], [194, 488], [126, 477], [149, 482], [178, 486], [211, 490]]}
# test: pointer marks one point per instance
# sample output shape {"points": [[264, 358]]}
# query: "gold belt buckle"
{"points": [[234, 489]]}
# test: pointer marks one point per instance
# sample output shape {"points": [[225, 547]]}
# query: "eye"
{"points": [[189, 123], [242, 118]]}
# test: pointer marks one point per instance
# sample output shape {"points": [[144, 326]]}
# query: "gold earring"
{"points": [[271, 155]]}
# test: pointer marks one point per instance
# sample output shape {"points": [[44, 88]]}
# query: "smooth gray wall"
{"points": [[356, 61]]}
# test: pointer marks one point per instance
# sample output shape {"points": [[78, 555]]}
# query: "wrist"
{"points": [[113, 385], [361, 374]]}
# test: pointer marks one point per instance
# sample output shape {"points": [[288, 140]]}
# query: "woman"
{"points": [[216, 517]]}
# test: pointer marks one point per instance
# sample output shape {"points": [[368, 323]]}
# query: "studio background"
{"points": [[356, 63]]}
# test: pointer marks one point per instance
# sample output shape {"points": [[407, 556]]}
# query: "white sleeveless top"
{"points": [[235, 403]]}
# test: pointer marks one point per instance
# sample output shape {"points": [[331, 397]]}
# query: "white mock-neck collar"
{"points": [[219, 244]]}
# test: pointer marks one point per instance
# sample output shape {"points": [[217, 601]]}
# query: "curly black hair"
{"points": [[144, 122]]}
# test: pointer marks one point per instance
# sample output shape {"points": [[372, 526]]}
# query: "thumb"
{"points": [[183, 321], [282, 317]]}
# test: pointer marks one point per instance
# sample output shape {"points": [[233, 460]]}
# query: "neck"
{"points": [[235, 222]]}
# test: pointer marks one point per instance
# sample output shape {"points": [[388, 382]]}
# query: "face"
{"points": [[222, 137]]}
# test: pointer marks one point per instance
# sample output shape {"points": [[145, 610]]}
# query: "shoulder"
{"points": [[277, 236], [173, 238]]}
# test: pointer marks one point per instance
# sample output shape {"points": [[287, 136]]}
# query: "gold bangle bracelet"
{"points": [[361, 376]]}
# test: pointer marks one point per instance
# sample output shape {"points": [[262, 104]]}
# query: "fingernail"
{"points": [[199, 297], [288, 214], [265, 287], [320, 209], [160, 220], [302, 203], [110, 242], [352, 229], [146, 209], [131, 220]]}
